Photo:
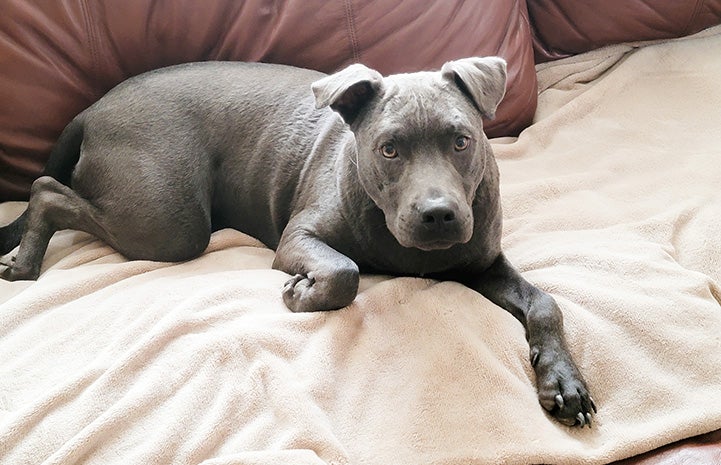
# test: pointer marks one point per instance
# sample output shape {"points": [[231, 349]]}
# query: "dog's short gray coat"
{"points": [[396, 176]]}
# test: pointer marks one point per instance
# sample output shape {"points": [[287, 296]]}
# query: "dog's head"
{"points": [[421, 150]]}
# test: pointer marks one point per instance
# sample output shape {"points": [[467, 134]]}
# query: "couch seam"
{"points": [[694, 15], [92, 39], [510, 23], [352, 36]]}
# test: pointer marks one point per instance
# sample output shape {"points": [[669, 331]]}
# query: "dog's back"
{"points": [[167, 156], [219, 128]]}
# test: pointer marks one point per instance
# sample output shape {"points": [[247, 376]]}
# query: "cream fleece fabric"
{"points": [[612, 204]]}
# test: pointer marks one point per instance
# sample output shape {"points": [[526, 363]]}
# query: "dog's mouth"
{"points": [[432, 224], [427, 244], [435, 245]]}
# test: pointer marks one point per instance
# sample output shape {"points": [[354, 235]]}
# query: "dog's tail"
{"points": [[10, 235], [66, 152], [62, 160]]}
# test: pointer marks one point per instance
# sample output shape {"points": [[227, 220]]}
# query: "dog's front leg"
{"points": [[561, 388], [323, 278]]}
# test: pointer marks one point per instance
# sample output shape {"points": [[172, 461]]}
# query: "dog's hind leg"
{"points": [[52, 207], [61, 162]]}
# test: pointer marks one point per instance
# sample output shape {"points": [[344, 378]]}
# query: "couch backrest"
{"points": [[569, 27], [58, 57]]}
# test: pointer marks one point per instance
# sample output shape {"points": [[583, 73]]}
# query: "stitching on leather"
{"points": [[92, 36], [511, 24], [694, 15], [570, 23], [350, 22]]}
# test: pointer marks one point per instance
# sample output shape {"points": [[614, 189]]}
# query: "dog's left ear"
{"points": [[482, 79], [348, 90]]}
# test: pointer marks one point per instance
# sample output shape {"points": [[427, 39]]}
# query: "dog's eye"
{"points": [[388, 150], [461, 143]]}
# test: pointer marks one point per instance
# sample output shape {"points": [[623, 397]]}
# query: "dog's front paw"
{"points": [[321, 291], [561, 389], [298, 293]]}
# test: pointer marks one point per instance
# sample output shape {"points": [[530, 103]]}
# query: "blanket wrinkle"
{"points": [[611, 204], [295, 457]]}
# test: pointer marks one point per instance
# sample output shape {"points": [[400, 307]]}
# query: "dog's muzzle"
{"points": [[436, 224]]}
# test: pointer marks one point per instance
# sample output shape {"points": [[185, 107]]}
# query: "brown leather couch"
{"points": [[58, 57], [567, 27]]}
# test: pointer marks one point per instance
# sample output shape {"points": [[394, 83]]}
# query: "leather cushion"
{"points": [[567, 27]]}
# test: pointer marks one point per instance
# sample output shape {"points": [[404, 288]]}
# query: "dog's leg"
{"points": [[168, 234], [52, 207], [323, 278], [561, 388]]}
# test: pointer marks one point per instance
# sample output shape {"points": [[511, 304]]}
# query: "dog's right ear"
{"points": [[347, 90], [481, 79]]}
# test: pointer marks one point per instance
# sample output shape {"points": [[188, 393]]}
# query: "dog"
{"points": [[341, 174]]}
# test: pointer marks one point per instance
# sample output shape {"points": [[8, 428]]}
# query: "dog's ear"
{"points": [[482, 79], [348, 90]]}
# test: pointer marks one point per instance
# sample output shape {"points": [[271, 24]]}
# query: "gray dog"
{"points": [[396, 176]]}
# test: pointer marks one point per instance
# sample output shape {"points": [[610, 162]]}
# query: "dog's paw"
{"points": [[319, 290], [561, 388], [13, 272], [7, 260], [10, 273], [298, 293]]}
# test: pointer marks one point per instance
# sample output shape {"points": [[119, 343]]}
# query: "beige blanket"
{"points": [[612, 203]]}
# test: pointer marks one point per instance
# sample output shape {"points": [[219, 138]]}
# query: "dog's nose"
{"points": [[437, 214]]}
